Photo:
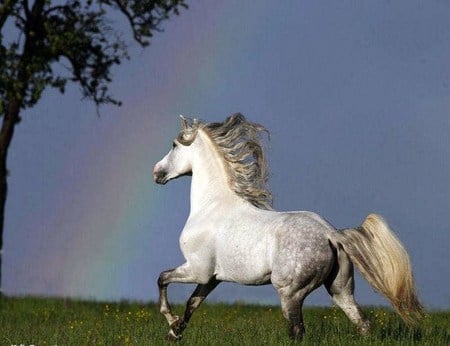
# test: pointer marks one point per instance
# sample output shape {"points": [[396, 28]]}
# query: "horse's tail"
{"points": [[384, 263]]}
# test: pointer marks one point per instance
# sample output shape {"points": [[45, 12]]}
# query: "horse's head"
{"points": [[177, 162]]}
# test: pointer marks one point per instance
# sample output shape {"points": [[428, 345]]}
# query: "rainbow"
{"points": [[116, 213]]}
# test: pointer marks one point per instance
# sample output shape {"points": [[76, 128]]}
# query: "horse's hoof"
{"points": [[296, 337], [171, 336], [364, 328], [178, 326], [296, 332]]}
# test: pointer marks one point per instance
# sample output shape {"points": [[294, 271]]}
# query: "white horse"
{"points": [[233, 234]]}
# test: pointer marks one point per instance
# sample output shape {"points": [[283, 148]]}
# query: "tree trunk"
{"points": [[14, 102], [10, 120]]}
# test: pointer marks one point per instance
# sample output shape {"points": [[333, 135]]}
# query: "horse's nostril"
{"points": [[160, 177]]}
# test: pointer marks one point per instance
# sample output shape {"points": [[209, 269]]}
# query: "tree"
{"points": [[52, 42]]}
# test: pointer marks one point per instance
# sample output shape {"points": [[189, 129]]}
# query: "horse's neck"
{"points": [[209, 186]]}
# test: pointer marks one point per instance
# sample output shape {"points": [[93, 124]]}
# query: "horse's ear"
{"points": [[184, 124]]}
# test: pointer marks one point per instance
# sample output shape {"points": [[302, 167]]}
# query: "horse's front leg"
{"points": [[181, 274], [164, 306], [198, 296]]}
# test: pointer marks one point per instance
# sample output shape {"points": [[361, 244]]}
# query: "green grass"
{"points": [[39, 321]]}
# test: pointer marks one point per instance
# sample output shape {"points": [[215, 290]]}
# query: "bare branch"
{"points": [[26, 8]]}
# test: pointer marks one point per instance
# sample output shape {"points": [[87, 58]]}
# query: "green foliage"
{"points": [[64, 322], [80, 35]]}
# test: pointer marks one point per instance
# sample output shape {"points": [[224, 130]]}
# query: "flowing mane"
{"points": [[238, 140]]}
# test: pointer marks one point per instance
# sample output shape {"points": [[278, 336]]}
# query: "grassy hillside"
{"points": [[37, 321]]}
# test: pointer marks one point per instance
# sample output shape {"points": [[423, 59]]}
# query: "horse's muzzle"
{"points": [[159, 175]]}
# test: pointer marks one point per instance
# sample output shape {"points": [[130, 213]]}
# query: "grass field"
{"points": [[38, 321]]}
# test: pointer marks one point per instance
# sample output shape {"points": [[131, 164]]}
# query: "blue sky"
{"points": [[356, 96]]}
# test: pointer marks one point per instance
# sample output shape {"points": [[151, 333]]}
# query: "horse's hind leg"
{"points": [[340, 285], [198, 296], [291, 306]]}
